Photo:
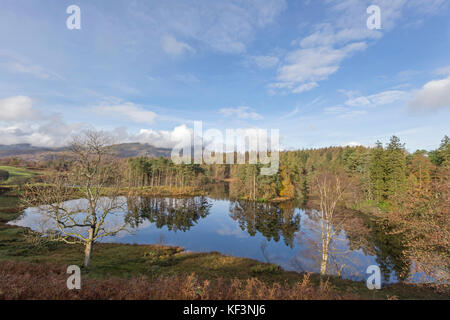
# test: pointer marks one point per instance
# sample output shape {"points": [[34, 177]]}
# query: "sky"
{"points": [[144, 71]]}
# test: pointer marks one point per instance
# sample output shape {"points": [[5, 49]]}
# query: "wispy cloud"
{"points": [[241, 113], [263, 62], [344, 112], [174, 47], [224, 26], [381, 98], [18, 64], [128, 110], [444, 71]]}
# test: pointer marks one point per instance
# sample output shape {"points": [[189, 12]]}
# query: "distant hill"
{"points": [[130, 150], [123, 150], [23, 149]]}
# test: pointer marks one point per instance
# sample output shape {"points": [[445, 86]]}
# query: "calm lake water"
{"points": [[282, 234]]}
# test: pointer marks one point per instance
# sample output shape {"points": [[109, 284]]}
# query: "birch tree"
{"points": [[95, 178], [330, 189]]}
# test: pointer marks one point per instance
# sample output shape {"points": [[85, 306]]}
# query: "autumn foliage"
{"points": [[19, 280]]}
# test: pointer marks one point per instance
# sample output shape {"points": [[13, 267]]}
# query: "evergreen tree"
{"points": [[441, 156], [377, 172], [395, 167]]}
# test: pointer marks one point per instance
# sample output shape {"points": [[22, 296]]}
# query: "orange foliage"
{"points": [[19, 280]]}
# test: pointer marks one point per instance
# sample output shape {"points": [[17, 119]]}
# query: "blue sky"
{"points": [[145, 70]]}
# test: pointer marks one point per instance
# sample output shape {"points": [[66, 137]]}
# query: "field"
{"points": [[17, 175]]}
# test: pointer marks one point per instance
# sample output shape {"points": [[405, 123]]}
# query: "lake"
{"points": [[282, 234]]}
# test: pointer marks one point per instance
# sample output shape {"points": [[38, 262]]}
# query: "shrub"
{"points": [[4, 175], [265, 268]]}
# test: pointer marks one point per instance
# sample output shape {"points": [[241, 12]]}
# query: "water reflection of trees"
{"points": [[359, 233], [272, 221], [375, 239], [219, 191], [176, 214]]}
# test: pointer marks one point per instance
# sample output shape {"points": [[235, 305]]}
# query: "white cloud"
{"points": [[305, 87], [163, 138], [53, 131], [347, 111], [433, 95], [17, 126], [241, 113], [335, 110], [174, 47], [382, 98], [352, 144], [17, 108], [264, 62], [22, 123], [307, 66], [129, 110], [49, 131]]}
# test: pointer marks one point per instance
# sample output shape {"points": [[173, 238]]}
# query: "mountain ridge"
{"points": [[27, 151]]}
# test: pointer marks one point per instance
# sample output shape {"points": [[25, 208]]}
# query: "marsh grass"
{"points": [[19, 280]]}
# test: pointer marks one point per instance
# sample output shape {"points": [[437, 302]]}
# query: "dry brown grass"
{"points": [[20, 280]]}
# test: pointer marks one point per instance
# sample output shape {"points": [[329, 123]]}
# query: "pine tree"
{"points": [[441, 156], [377, 172], [395, 167]]}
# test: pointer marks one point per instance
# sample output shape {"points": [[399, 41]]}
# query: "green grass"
{"points": [[17, 175]]}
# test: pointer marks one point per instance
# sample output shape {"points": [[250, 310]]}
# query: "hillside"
{"points": [[123, 150], [128, 150], [23, 149]]}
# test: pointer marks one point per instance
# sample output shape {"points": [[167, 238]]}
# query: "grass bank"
{"points": [[142, 266], [17, 175], [163, 191]]}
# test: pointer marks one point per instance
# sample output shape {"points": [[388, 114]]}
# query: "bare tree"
{"points": [[330, 188], [95, 177]]}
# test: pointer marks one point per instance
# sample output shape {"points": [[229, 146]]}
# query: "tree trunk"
{"points": [[323, 264], [87, 254], [325, 251], [88, 247]]}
